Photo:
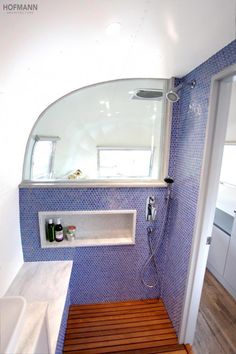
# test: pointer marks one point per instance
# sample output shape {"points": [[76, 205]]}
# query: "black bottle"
{"points": [[50, 231], [59, 231]]}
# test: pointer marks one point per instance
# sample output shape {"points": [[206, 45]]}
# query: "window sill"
{"points": [[93, 184]]}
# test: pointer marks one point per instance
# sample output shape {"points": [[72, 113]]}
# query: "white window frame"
{"points": [[52, 139]]}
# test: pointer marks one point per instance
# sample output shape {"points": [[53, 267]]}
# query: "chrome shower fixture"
{"points": [[147, 94], [173, 94], [151, 209], [169, 180]]}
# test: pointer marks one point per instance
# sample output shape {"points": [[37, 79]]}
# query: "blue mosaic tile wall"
{"points": [[62, 332], [189, 119], [110, 273]]}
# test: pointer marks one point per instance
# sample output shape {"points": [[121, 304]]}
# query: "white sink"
{"points": [[12, 310]]}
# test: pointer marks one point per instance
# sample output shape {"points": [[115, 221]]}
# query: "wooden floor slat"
{"points": [[127, 341], [83, 324], [173, 348], [117, 326], [109, 312], [94, 334], [142, 305], [124, 327], [132, 316], [117, 304], [124, 348], [124, 336]]}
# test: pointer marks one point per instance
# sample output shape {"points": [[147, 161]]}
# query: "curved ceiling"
{"points": [[70, 38]]}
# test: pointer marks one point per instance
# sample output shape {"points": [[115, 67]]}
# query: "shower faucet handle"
{"points": [[151, 209], [154, 213]]}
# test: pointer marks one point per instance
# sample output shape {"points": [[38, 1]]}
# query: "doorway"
{"points": [[216, 327], [219, 108]]}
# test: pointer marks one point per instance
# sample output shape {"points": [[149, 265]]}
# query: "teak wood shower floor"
{"points": [[122, 327]]}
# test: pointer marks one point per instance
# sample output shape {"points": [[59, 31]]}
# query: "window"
{"points": [[124, 162], [228, 172], [43, 157], [109, 132]]}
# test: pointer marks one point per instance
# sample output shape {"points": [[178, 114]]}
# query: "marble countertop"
{"points": [[223, 221], [44, 285]]}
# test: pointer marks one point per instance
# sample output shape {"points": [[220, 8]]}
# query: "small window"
{"points": [[124, 162], [228, 173], [43, 153]]}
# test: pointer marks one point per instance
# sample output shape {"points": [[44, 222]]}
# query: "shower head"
{"points": [[173, 95], [169, 180]]}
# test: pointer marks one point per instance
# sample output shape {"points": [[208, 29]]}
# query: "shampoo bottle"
{"points": [[51, 231], [59, 231]]}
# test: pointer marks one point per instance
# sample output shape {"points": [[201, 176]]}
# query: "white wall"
{"points": [[231, 128], [11, 147]]}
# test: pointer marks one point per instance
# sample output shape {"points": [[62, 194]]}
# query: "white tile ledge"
{"points": [[44, 286], [69, 184]]}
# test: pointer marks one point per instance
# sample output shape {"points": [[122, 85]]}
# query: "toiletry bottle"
{"points": [[51, 231], [70, 233], [59, 231], [46, 230]]}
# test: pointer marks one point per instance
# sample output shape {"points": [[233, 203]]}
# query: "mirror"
{"points": [[108, 132]]}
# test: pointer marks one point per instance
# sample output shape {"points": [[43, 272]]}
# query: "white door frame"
{"points": [[209, 181]]}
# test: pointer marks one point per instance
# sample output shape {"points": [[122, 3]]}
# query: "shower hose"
{"points": [[153, 250]]}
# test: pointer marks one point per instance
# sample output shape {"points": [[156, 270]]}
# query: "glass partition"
{"points": [[108, 132]]}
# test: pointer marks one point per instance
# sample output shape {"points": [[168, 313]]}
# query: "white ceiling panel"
{"points": [[158, 38]]}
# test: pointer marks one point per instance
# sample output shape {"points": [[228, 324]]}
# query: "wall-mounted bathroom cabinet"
{"points": [[218, 250], [93, 227]]}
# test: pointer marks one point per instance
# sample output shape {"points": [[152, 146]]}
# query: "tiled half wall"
{"points": [[104, 273]]}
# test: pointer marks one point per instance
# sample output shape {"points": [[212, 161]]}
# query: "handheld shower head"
{"points": [[169, 180]]}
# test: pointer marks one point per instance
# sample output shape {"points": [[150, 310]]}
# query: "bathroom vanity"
{"points": [[45, 287], [222, 254]]}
